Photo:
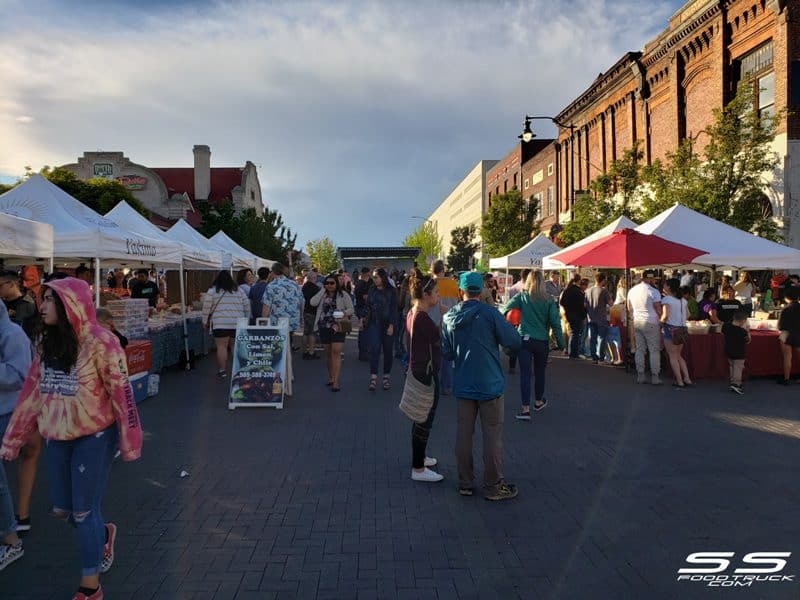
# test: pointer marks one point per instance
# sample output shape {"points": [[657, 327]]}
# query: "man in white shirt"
{"points": [[644, 305]]}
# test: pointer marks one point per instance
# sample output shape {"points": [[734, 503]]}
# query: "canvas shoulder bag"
{"points": [[211, 314], [417, 398]]}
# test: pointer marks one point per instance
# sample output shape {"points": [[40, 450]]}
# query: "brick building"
{"points": [[667, 92]]}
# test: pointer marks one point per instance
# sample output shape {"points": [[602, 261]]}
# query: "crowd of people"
{"points": [[63, 377]]}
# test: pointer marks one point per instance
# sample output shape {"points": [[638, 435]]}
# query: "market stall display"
{"points": [[553, 261], [130, 317], [705, 356]]}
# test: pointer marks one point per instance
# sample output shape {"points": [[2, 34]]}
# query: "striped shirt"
{"points": [[232, 306]]}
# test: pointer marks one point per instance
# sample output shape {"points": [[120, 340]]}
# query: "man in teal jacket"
{"points": [[471, 334]]}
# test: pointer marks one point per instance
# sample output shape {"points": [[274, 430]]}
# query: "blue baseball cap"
{"points": [[470, 282]]}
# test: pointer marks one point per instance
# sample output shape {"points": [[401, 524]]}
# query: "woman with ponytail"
{"points": [[425, 358]]}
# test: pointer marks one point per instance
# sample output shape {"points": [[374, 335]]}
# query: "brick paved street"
{"points": [[618, 483]]}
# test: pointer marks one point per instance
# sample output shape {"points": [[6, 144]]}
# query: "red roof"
{"points": [[181, 179]]}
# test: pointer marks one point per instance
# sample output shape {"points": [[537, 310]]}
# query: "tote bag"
{"points": [[417, 398]]}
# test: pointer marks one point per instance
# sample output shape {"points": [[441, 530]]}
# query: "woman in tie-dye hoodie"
{"points": [[78, 395]]}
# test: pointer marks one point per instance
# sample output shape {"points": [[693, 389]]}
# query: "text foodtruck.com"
{"points": [[756, 567]]}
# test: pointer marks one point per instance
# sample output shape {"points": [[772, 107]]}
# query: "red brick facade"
{"points": [[667, 92]]}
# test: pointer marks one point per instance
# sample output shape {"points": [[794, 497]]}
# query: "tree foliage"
{"points": [[427, 238], [265, 236], [462, 248], [101, 195], [727, 183], [323, 254], [508, 223]]}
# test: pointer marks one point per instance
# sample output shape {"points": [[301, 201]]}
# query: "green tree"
{"points": [[265, 236], [99, 194], [508, 223], [728, 182], [323, 254], [426, 238], [589, 213], [462, 248]]}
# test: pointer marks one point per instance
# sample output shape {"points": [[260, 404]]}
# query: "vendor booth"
{"points": [[726, 248], [528, 257], [24, 239], [553, 262], [182, 232], [242, 258], [82, 234]]}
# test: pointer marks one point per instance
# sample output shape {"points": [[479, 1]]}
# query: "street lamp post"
{"points": [[527, 135]]}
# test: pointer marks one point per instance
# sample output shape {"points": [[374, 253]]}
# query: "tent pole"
{"points": [[183, 318], [97, 282]]}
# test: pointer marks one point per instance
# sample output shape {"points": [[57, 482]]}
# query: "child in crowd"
{"points": [[737, 337], [614, 336], [105, 319]]}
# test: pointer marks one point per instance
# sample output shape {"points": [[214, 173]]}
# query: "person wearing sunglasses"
{"points": [[334, 311]]}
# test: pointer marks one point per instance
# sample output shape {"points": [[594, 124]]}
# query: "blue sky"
{"points": [[358, 115]]}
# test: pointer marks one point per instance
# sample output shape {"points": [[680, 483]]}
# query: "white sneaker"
{"points": [[426, 475], [430, 462]]}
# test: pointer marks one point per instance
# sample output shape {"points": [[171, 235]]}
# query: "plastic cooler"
{"points": [[139, 384]]}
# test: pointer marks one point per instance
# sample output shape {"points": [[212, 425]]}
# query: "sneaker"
{"points": [[465, 491], [426, 475], [641, 378], [430, 461], [523, 416], [543, 403], [108, 549], [9, 553], [656, 380], [737, 389], [23, 525], [98, 595], [504, 491]]}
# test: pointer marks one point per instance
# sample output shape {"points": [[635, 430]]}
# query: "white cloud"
{"points": [[343, 106]]}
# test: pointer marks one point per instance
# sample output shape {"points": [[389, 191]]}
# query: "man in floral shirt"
{"points": [[283, 298]]}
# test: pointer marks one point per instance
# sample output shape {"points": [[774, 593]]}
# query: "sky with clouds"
{"points": [[358, 115]]}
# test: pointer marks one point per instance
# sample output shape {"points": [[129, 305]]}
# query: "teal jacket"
{"points": [[471, 334], [538, 317]]}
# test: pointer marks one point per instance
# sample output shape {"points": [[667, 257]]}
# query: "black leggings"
{"points": [[421, 431]]}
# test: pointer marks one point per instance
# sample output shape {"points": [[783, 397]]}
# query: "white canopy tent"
{"points": [[551, 262], [81, 233], [193, 257], [23, 238], [183, 232], [241, 257], [528, 257], [728, 247]]}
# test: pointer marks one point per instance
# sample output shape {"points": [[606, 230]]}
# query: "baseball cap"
{"points": [[470, 282]]}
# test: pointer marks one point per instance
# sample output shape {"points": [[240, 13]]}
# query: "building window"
{"points": [[526, 183], [252, 195], [766, 95], [550, 169], [515, 181], [551, 200], [505, 186]]}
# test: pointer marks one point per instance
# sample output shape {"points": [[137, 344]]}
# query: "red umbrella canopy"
{"points": [[627, 248]]}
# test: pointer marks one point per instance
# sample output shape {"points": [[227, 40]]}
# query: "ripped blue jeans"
{"points": [[78, 471]]}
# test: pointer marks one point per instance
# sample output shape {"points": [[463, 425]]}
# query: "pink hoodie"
{"points": [[94, 395]]}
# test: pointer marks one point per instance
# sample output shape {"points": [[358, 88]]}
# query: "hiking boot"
{"points": [[9, 553], [504, 491]]}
